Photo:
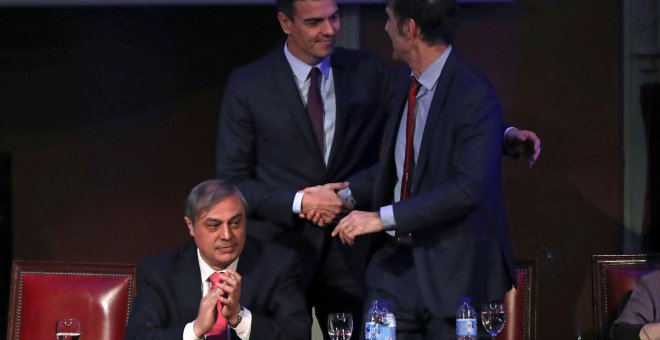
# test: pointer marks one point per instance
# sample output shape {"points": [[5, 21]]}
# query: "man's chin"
{"points": [[326, 51], [227, 252], [224, 259]]}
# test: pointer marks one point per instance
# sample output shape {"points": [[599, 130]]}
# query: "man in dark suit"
{"points": [[256, 294], [437, 192], [267, 145]]}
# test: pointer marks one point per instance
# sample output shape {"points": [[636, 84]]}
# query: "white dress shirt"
{"points": [[243, 328]]}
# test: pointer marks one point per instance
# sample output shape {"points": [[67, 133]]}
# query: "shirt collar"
{"points": [[429, 78], [206, 270], [301, 69]]}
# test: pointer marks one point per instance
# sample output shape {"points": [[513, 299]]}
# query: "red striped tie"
{"points": [[409, 159]]}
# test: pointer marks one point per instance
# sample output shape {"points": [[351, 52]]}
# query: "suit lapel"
{"points": [[383, 193], [435, 112], [401, 92], [187, 282], [342, 84], [286, 84], [247, 268]]}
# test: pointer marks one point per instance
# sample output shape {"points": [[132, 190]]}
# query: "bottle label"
{"points": [[370, 330], [386, 332], [379, 331], [466, 327]]}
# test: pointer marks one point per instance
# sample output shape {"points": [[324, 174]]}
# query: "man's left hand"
{"points": [[231, 299], [355, 224]]}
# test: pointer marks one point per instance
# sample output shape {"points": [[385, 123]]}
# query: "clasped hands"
{"points": [[323, 205], [228, 293]]}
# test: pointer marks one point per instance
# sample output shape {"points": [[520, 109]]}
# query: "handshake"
{"points": [[323, 204]]}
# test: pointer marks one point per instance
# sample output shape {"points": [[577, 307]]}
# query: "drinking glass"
{"points": [[340, 326], [67, 329], [493, 318]]}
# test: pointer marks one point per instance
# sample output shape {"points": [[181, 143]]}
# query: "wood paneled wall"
{"points": [[109, 114]]}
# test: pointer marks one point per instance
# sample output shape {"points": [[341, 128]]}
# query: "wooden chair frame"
{"points": [[601, 265], [527, 291]]}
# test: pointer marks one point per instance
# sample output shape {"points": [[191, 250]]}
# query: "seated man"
{"points": [[255, 291], [640, 318]]}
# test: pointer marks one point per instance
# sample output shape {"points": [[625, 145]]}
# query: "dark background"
{"points": [[108, 119]]}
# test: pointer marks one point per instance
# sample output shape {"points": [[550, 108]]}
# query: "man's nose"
{"points": [[328, 27], [225, 232]]}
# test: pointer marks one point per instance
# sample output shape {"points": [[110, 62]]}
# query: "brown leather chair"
{"points": [[99, 295], [614, 277], [520, 305]]}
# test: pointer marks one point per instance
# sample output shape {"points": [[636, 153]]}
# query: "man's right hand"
{"points": [[322, 204], [208, 313]]}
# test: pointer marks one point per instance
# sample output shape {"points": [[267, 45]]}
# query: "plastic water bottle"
{"points": [[371, 320], [466, 320], [380, 323], [388, 328]]}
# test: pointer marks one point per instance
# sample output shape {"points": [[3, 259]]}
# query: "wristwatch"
{"points": [[238, 319]]}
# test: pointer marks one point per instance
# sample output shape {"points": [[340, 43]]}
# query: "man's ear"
{"points": [[285, 22], [411, 30], [190, 225]]}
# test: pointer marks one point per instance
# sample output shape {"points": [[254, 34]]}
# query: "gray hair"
{"points": [[207, 194]]}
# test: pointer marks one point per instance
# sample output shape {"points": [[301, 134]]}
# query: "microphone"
{"points": [[550, 258]]}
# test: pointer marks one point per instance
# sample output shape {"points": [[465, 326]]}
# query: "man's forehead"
{"points": [[306, 8], [228, 208], [222, 216]]}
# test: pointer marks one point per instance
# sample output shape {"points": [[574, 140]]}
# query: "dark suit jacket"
{"points": [[266, 144], [169, 292], [461, 242]]}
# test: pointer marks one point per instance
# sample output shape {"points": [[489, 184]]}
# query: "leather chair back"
{"points": [[614, 277], [520, 305], [99, 295]]}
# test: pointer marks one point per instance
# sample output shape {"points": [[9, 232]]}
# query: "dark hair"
{"points": [[436, 19], [286, 7], [207, 194]]}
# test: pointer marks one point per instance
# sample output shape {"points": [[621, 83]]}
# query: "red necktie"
{"points": [[409, 159], [219, 330], [315, 107]]}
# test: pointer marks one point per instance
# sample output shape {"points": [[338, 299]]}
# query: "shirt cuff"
{"points": [[347, 195], [387, 218], [189, 332], [244, 327], [506, 145], [297, 202]]}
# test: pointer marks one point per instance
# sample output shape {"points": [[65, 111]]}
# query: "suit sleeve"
{"points": [[287, 316], [362, 183], [362, 186], [642, 305], [476, 153], [148, 319], [506, 151], [235, 156]]}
